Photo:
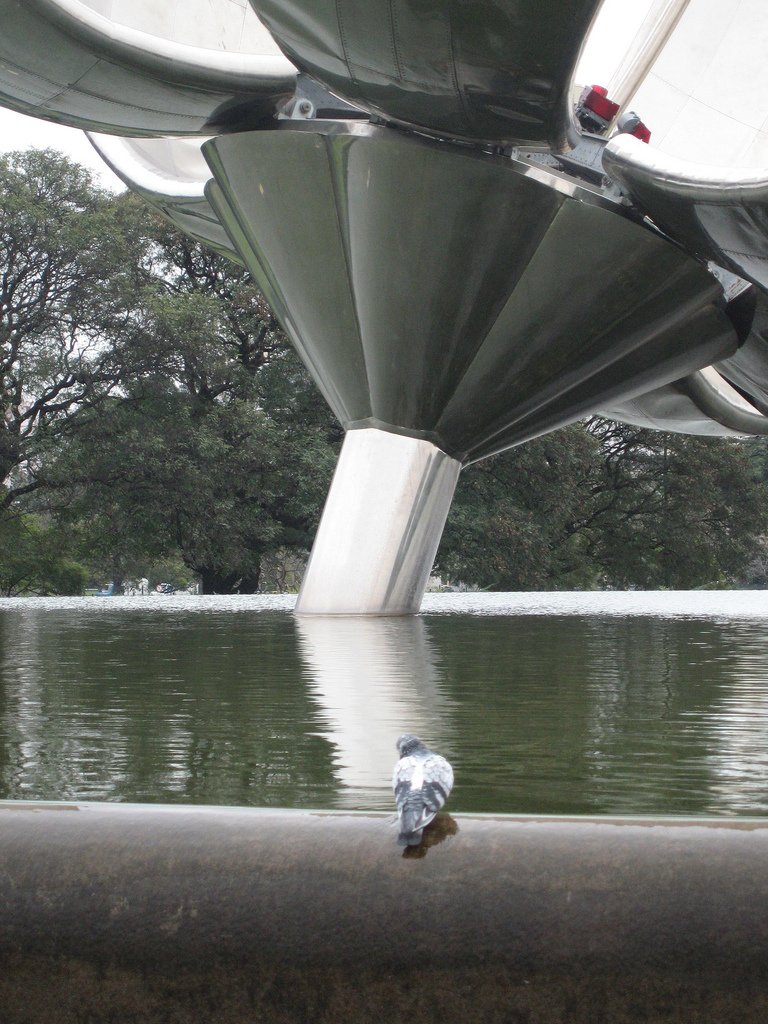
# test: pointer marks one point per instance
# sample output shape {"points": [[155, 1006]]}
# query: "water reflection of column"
{"points": [[374, 679], [738, 722], [22, 719]]}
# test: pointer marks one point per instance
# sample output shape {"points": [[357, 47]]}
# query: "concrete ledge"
{"points": [[142, 914]]}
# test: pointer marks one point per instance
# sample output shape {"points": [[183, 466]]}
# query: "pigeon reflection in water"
{"points": [[422, 781]]}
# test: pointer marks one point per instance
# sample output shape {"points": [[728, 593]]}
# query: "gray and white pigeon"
{"points": [[422, 781]]}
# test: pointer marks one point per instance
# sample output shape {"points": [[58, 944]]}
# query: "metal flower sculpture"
{"points": [[464, 253]]}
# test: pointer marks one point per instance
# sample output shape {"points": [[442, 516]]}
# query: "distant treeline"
{"points": [[155, 423]]}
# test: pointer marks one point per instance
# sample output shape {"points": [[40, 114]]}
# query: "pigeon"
{"points": [[422, 781]]}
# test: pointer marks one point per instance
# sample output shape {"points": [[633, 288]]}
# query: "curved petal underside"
{"points": [[112, 66]]}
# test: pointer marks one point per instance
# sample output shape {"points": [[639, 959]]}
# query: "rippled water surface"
{"points": [[558, 703]]}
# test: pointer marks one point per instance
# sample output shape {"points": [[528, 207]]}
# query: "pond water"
{"points": [[545, 703]]}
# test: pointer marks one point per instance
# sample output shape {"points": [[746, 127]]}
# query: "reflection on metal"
{"points": [[668, 408], [705, 95], [459, 277], [702, 403], [118, 66], [380, 528], [171, 174], [718, 400], [716, 213], [500, 73], [373, 679], [659, 24], [747, 368], [434, 290], [159, 913]]}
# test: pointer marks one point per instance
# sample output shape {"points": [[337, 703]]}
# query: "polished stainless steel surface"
{"points": [[437, 291], [499, 72], [702, 403], [716, 213], [653, 35], [158, 914], [747, 368], [667, 408], [380, 528], [371, 678], [171, 175], [722, 403], [190, 67], [704, 96]]}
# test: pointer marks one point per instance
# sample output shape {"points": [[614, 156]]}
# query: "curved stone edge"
{"points": [[234, 914]]}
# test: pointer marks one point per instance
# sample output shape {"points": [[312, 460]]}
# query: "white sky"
{"points": [[615, 29], [20, 132]]}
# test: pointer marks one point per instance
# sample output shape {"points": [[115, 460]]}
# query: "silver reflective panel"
{"points": [[466, 299], [179, 68], [717, 399], [380, 528], [669, 409], [171, 175], [499, 71], [717, 213], [704, 95], [702, 403]]}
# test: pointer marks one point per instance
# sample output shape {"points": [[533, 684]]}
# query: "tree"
{"points": [[148, 392], [32, 560], [223, 489], [516, 519], [67, 289], [675, 511], [218, 447], [607, 504]]}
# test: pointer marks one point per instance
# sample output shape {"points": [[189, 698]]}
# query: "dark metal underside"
{"points": [[497, 71], [715, 213], [60, 67], [454, 296]]}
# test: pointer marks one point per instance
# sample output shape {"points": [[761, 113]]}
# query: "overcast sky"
{"points": [[616, 26]]}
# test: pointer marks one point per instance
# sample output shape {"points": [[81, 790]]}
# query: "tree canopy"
{"points": [[154, 414], [67, 287], [605, 504]]}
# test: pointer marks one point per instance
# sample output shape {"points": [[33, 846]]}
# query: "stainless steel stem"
{"points": [[380, 528]]}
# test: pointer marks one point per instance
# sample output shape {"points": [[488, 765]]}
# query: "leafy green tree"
{"points": [[32, 560], [151, 403], [675, 511], [223, 489], [607, 505], [516, 520], [219, 447], [67, 289]]}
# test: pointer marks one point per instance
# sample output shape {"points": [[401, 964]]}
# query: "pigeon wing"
{"points": [[438, 782], [402, 778]]}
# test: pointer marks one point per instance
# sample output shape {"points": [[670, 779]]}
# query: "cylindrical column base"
{"points": [[380, 528]]}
